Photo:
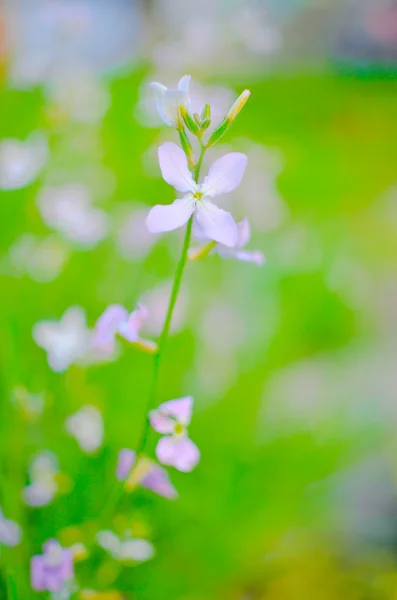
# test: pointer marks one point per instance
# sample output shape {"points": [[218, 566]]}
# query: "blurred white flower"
{"points": [[133, 240], [42, 259], [43, 487], [86, 426], [67, 341], [68, 209], [21, 161], [10, 532], [127, 550], [80, 96], [50, 37]]}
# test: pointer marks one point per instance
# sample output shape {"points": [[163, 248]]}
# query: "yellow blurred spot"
{"points": [[92, 595]]}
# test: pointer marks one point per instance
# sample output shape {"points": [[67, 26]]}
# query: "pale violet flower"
{"points": [[67, 341], [86, 426], [214, 223], [175, 448], [68, 210], [125, 461], [116, 320], [52, 570], [146, 473], [244, 234], [43, 487], [21, 161], [10, 532], [169, 101], [126, 550]]}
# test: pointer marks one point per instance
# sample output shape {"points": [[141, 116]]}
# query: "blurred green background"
{"points": [[292, 365]]}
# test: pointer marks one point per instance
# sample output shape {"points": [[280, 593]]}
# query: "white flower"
{"points": [[66, 341], [86, 426], [68, 209], [243, 237], [43, 487], [169, 101], [21, 162], [129, 549], [214, 223], [10, 532]]}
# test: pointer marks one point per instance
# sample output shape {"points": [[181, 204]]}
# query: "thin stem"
{"points": [[168, 319]]}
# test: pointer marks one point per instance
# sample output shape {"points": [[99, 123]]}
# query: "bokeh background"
{"points": [[292, 365]]}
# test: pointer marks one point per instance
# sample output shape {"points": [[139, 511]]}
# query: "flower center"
{"points": [[198, 195], [178, 429]]}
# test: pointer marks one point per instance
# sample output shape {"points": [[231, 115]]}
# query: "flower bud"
{"points": [[238, 106], [218, 132], [187, 147], [205, 124], [206, 112], [190, 123]]}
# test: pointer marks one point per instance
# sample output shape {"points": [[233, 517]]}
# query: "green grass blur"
{"points": [[257, 518]]}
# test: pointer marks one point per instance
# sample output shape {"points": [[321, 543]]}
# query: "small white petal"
{"points": [[170, 216], [244, 233], [174, 168], [216, 224], [225, 174], [184, 83]]}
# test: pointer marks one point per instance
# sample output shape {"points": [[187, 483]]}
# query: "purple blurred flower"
{"points": [[175, 449], [116, 320], [53, 569], [10, 532], [147, 474], [125, 462], [214, 223], [158, 481]]}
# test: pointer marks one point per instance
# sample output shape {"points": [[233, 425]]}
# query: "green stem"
{"points": [[117, 494], [168, 319]]}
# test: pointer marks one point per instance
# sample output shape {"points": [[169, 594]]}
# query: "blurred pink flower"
{"points": [[214, 223], [169, 101], [116, 320], [125, 461], [175, 448], [147, 474]]}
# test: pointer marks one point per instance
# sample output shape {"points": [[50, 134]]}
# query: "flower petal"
{"points": [[244, 233], [159, 91], [170, 216], [257, 258], [157, 480], [216, 224], [225, 174], [161, 421], [180, 409], [37, 573], [125, 461], [188, 455], [131, 328], [106, 327], [174, 167], [184, 83], [179, 452]]}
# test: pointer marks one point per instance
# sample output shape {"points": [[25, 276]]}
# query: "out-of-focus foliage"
{"points": [[291, 365]]}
